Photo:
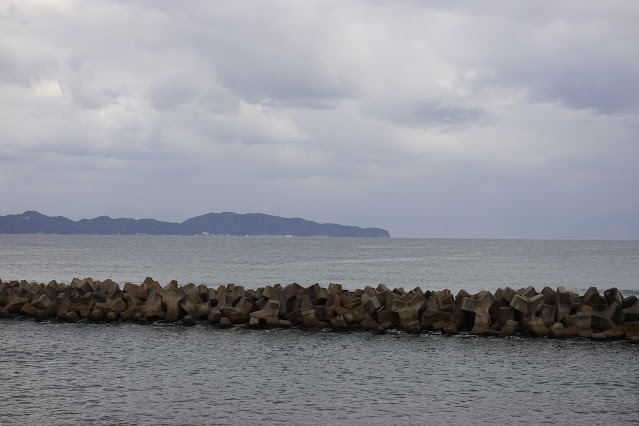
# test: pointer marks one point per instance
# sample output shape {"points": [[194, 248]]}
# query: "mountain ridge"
{"points": [[225, 223]]}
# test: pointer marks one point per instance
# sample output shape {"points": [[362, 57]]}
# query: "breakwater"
{"points": [[555, 313]]}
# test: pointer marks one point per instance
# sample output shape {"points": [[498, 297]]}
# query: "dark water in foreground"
{"points": [[54, 373], [160, 374]]}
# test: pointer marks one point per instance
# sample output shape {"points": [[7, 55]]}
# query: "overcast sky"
{"points": [[492, 119]]}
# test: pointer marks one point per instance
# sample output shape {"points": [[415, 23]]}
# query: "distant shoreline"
{"points": [[211, 224], [199, 235]]}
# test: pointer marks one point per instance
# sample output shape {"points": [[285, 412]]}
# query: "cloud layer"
{"points": [[488, 119]]}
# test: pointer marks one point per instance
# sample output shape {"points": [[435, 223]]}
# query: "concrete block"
{"points": [[285, 296], [550, 296], [506, 313], [319, 294], [444, 298], [494, 310], [339, 324], [527, 306], [31, 311], [370, 291], [348, 300], [630, 314], [628, 301], [327, 311], [583, 321], [254, 322], [238, 314], [449, 328], [584, 334], [386, 315], [132, 307], [12, 302], [115, 305], [171, 300], [548, 314], [528, 292], [134, 290], [508, 294], [479, 305], [334, 288], [372, 304], [558, 331], [359, 313], [225, 323], [382, 289], [599, 336], [269, 315], [188, 321], [369, 324], [416, 303], [45, 304], [602, 321], [171, 287], [410, 326], [613, 295], [429, 318], [590, 298], [215, 316], [631, 329], [152, 310], [235, 293], [86, 305], [192, 305], [509, 328], [108, 289], [52, 289], [563, 304], [569, 320], [285, 323], [350, 317], [461, 294], [537, 327], [614, 333]]}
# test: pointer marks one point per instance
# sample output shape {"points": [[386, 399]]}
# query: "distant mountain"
{"points": [[32, 222]]}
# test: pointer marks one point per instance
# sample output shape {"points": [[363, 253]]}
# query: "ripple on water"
{"points": [[125, 373]]}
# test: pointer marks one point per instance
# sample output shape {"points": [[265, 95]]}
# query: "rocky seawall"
{"points": [[552, 313]]}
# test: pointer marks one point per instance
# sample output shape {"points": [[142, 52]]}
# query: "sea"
{"points": [[123, 373]]}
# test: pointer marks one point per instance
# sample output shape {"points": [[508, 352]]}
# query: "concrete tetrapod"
{"points": [[282, 295], [479, 305], [12, 302], [558, 313], [537, 327], [239, 313], [631, 313], [268, 315], [527, 306], [152, 310], [171, 298]]}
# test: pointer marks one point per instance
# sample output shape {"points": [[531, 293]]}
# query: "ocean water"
{"points": [[53, 373], [433, 264]]}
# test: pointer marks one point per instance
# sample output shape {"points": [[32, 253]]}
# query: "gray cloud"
{"points": [[499, 119]]}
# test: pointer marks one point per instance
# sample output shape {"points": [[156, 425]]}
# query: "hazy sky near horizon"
{"points": [[492, 119]]}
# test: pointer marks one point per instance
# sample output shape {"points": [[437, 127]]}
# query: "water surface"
{"points": [[253, 262], [132, 374], [54, 373]]}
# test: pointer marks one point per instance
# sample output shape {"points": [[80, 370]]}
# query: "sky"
{"points": [[456, 119]]}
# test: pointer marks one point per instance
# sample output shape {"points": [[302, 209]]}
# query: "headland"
{"points": [[226, 223]]}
